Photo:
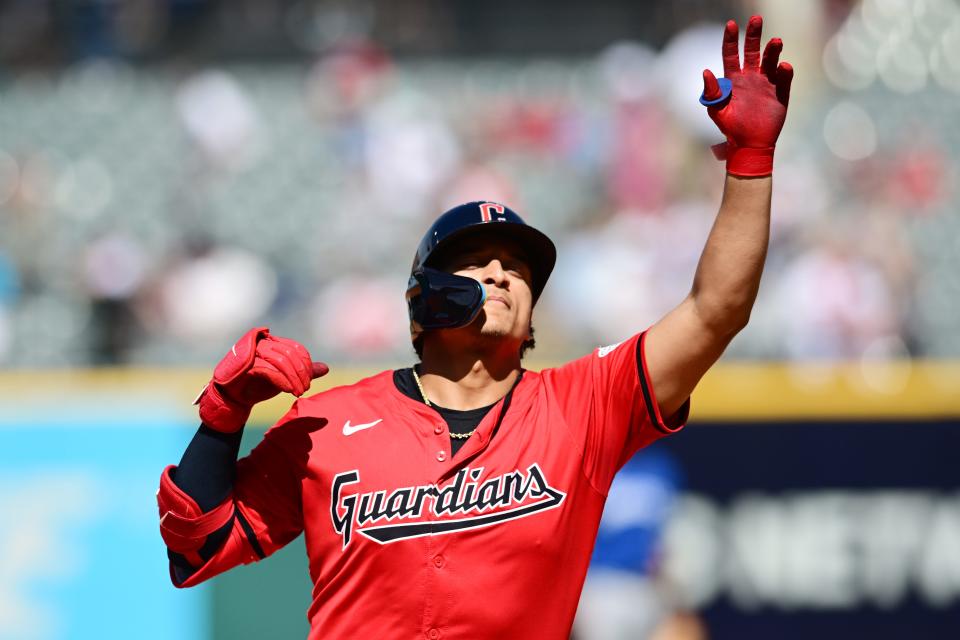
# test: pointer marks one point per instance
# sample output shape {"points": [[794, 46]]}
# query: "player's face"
{"points": [[501, 267]]}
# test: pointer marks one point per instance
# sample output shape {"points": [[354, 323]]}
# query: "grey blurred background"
{"points": [[173, 172]]}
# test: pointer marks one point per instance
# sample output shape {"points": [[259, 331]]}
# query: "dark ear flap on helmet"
{"points": [[440, 300]]}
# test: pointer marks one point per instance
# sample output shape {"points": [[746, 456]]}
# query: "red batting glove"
{"points": [[257, 368], [753, 115]]}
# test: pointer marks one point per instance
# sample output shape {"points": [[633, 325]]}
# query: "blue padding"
{"points": [[726, 88]]}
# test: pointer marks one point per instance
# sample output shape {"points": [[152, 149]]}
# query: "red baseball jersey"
{"points": [[405, 541]]}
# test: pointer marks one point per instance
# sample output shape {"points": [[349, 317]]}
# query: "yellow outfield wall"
{"points": [[730, 391]]}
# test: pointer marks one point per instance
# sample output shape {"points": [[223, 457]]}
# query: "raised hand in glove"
{"points": [[751, 105], [258, 367]]}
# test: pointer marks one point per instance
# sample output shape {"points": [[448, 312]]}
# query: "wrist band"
{"points": [[749, 162]]}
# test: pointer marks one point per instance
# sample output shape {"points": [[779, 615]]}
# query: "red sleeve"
{"points": [[609, 406], [266, 494]]}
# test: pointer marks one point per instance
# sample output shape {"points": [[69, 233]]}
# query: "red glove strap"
{"points": [[220, 413], [748, 162]]}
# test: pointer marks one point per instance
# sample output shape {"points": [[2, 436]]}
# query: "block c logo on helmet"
{"points": [[487, 209]]}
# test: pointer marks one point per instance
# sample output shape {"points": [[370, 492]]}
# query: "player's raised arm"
{"points": [[197, 512], [749, 106]]}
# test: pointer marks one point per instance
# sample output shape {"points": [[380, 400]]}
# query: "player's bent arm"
{"points": [[688, 340], [198, 514]]}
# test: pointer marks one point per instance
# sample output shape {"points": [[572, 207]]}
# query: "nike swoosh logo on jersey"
{"points": [[349, 430]]}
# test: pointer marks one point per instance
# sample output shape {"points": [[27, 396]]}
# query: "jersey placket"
{"points": [[435, 594], [438, 597]]}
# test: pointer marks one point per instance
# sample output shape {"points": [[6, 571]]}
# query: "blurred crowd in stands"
{"points": [[149, 214]]}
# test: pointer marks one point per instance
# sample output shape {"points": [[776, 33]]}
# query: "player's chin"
{"points": [[494, 327], [497, 331]]}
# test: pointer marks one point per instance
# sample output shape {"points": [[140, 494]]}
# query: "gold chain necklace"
{"points": [[426, 400]]}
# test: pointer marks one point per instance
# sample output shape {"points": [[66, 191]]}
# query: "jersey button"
{"points": [[438, 429], [433, 634], [441, 455], [438, 562]]}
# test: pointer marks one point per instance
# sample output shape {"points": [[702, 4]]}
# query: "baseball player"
{"points": [[460, 497]]}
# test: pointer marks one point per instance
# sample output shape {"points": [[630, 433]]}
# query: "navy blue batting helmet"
{"points": [[438, 300]]}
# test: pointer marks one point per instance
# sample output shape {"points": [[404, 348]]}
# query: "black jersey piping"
{"points": [[648, 398], [251, 536]]}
